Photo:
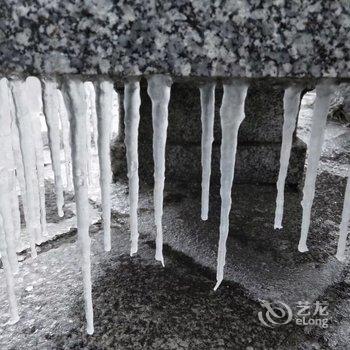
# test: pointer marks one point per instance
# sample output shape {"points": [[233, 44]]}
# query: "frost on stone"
{"points": [[159, 92], [132, 104], [232, 115]]}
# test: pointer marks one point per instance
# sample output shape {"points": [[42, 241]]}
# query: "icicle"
{"points": [[74, 97], [232, 115], [159, 92], [50, 105], [291, 104], [65, 138], [88, 129], [319, 119], [207, 93], [7, 173], [344, 222], [104, 105], [8, 276], [23, 119], [16, 215], [19, 167], [93, 113], [35, 107], [132, 104]]}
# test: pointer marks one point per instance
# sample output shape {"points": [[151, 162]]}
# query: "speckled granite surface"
{"points": [[247, 38]]}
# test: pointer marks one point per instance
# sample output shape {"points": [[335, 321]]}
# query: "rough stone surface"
{"points": [[183, 38]]}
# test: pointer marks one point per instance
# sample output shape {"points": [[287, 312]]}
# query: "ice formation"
{"points": [[8, 277], [132, 104], [291, 103], [22, 163], [65, 140], [104, 105], [232, 115], [7, 174], [74, 97], [344, 225], [35, 107], [87, 87], [207, 93], [50, 104], [319, 119], [24, 123], [159, 92]]}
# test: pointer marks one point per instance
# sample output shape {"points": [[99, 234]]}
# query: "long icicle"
{"points": [[23, 120], [319, 119], [10, 284], [207, 93], [132, 102], [74, 97], [232, 115], [65, 138], [93, 115], [16, 214], [88, 128], [344, 225], [35, 103], [16, 147], [104, 104], [291, 104], [50, 105], [159, 92], [7, 173]]}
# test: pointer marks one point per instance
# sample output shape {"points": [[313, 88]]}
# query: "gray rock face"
{"points": [[183, 38]]}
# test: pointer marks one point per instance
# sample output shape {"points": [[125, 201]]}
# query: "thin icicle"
{"points": [[7, 173], [74, 97], [50, 105], [93, 113], [16, 215], [291, 104], [323, 95], [159, 92], [207, 93], [343, 232], [104, 105], [35, 104], [88, 128], [24, 124], [132, 104], [65, 137], [8, 276], [232, 115], [16, 147]]}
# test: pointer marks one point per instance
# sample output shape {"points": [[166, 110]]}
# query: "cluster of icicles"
{"points": [[21, 160]]}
